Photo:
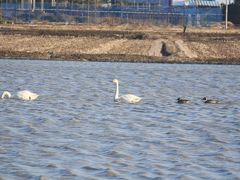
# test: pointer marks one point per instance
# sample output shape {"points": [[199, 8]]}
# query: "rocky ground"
{"points": [[130, 43]]}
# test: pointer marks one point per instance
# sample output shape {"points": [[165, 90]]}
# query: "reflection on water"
{"points": [[76, 131]]}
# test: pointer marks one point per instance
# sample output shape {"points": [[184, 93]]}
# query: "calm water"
{"points": [[76, 131]]}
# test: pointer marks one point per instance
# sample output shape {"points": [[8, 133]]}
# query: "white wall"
{"points": [[181, 2]]}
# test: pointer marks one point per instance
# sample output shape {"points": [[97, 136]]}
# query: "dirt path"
{"points": [[155, 49], [184, 48]]}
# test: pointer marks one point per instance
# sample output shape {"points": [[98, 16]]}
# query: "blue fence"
{"points": [[107, 13]]}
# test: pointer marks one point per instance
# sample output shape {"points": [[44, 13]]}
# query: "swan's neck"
{"points": [[116, 92]]}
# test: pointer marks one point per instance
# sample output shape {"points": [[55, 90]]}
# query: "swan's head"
{"points": [[115, 81], [6, 94], [204, 98]]}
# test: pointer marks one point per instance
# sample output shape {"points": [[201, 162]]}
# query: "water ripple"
{"points": [[76, 131]]}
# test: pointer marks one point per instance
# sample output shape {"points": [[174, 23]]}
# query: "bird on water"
{"points": [[183, 101], [127, 98], [22, 95], [210, 101]]}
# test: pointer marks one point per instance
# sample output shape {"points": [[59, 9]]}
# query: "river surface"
{"points": [[75, 130]]}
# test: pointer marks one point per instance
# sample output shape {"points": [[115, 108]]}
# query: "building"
{"points": [[194, 12], [198, 3]]}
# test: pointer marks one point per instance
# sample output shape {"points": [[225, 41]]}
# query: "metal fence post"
{"points": [[226, 15], [88, 13]]}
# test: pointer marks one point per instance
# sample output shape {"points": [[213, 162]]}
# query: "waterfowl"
{"points": [[127, 98], [210, 101], [182, 101], [27, 95], [6, 95]]}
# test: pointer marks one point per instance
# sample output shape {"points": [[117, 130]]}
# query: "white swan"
{"points": [[22, 95], [128, 98], [6, 95], [27, 95]]}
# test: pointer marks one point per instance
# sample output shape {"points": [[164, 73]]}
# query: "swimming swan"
{"points": [[22, 95], [128, 98], [6, 95], [27, 95]]}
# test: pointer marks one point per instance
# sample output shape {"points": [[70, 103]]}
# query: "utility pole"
{"points": [[22, 4], [226, 15], [42, 5], [53, 3], [34, 5]]}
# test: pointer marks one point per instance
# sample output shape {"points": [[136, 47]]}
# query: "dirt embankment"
{"points": [[123, 43]]}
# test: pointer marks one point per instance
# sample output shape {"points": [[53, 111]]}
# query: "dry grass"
{"points": [[193, 49], [218, 27]]}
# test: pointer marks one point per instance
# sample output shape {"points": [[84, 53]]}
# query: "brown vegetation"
{"points": [[133, 43]]}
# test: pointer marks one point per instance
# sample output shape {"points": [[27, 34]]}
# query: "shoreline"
{"points": [[123, 44], [207, 62]]}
